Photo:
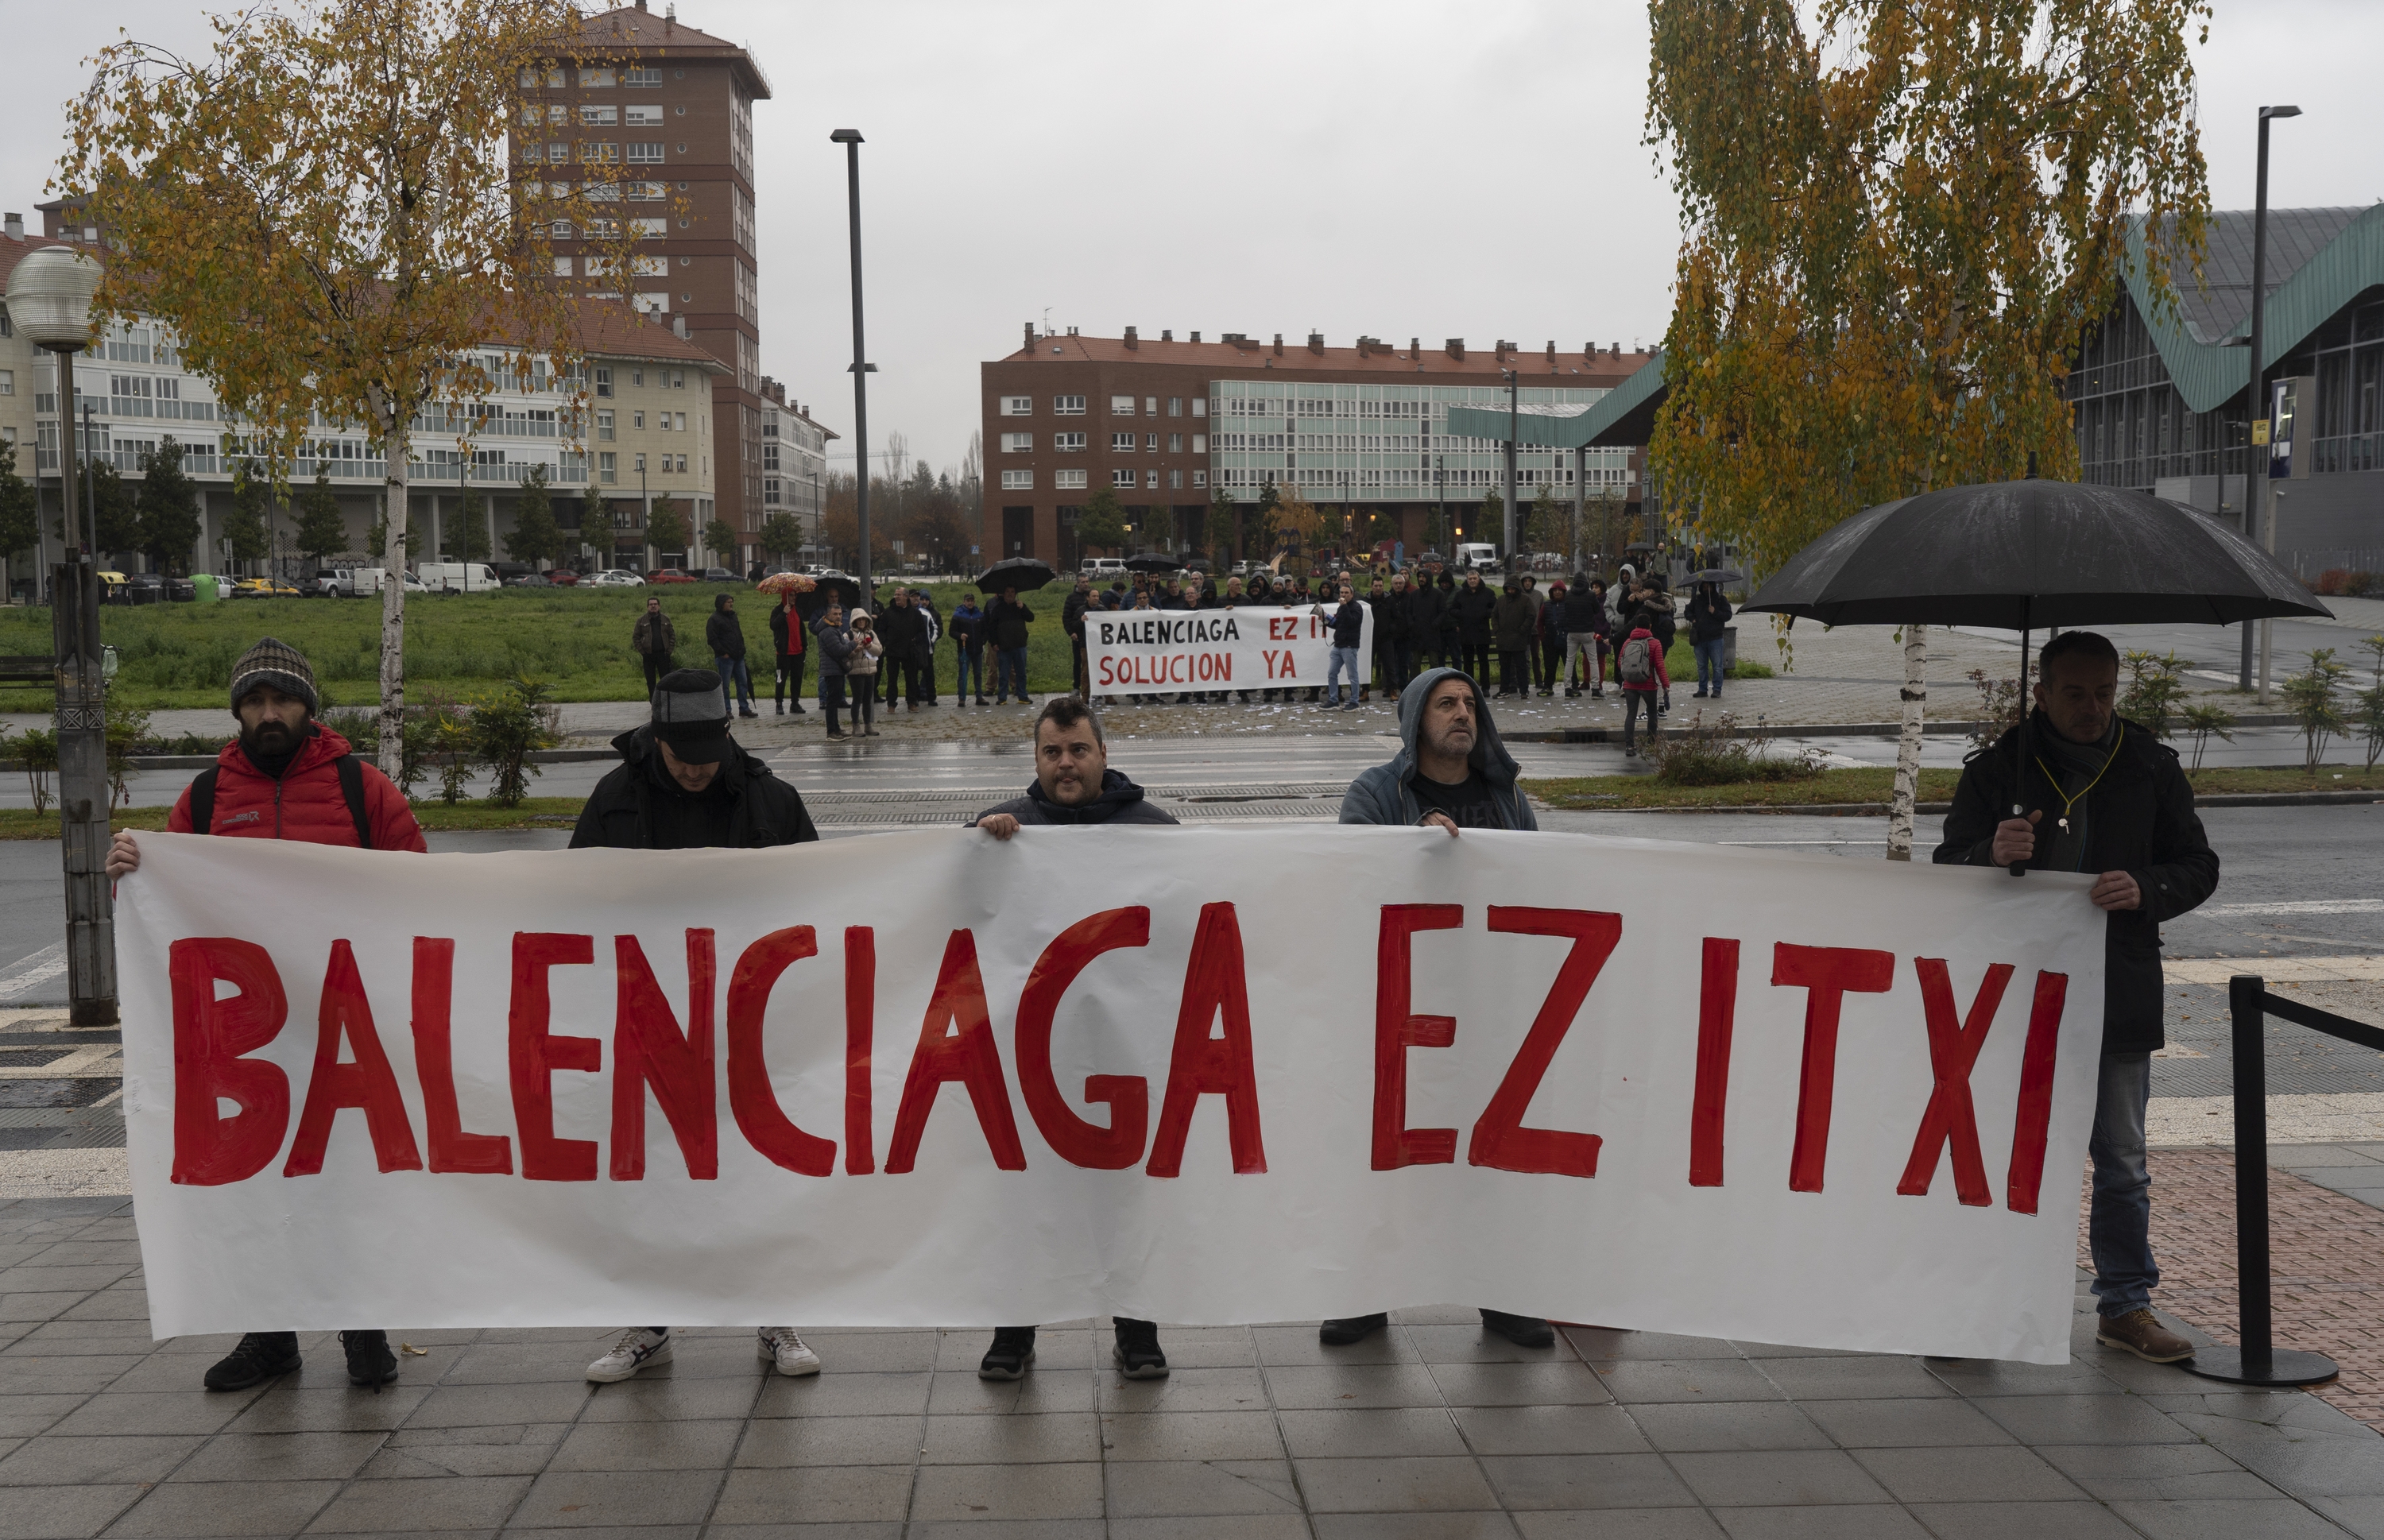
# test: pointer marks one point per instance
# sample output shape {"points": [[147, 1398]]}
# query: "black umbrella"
{"points": [[1150, 561], [1024, 572], [2019, 555], [1718, 575], [847, 589]]}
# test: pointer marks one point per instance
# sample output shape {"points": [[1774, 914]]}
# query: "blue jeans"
{"points": [[1709, 665], [1344, 660], [972, 667], [2119, 1218], [1009, 669], [733, 671]]}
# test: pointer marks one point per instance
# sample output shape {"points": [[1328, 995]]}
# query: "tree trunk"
{"points": [[395, 445], [1907, 743]]}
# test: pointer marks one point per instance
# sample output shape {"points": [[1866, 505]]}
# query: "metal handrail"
{"points": [[2257, 1360]]}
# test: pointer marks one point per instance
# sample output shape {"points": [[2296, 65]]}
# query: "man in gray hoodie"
{"points": [[1451, 772]]}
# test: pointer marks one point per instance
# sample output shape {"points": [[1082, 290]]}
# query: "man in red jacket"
{"points": [[287, 777]]}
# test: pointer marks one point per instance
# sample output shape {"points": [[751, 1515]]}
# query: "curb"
{"points": [[1940, 729], [1879, 810]]}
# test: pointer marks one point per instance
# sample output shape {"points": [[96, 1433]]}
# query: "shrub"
{"points": [[2153, 685], [1702, 756], [2359, 583], [505, 731], [1998, 708], [2331, 581], [2309, 697], [38, 749], [2205, 722]]}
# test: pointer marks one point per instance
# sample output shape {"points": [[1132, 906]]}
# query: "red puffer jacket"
{"points": [[306, 803]]}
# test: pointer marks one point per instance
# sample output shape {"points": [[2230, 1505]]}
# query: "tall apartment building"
{"points": [[1167, 423], [794, 460], [663, 114]]}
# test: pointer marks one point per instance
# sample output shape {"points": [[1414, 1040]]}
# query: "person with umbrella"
{"points": [[1008, 620], [2119, 806], [787, 632], [1708, 614]]}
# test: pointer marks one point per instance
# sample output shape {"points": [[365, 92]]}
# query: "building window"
{"points": [[1120, 443], [1199, 478], [1018, 444], [607, 471], [1153, 482], [646, 153], [650, 116], [1121, 406], [1068, 406], [1123, 477], [1068, 443], [1175, 406], [1199, 406], [1176, 443], [1017, 480], [1150, 443], [592, 117], [642, 80], [1199, 443], [1150, 406], [1068, 481], [1018, 406], [603, 380], [1175, 479], [641, 462], [604, 427], [596, 79], [637, 419]]}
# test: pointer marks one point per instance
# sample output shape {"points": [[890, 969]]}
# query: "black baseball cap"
{"points": [[692, 716]]}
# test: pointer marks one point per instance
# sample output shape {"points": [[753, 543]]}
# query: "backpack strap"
{"points": [[203, 799], [352, 789]]}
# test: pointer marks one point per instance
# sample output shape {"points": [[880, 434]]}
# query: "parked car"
{"points": [[529, 580], [457, 576], [1101, 569], [719, 575], [508, 571], [144, 588], [614, 578], [564, 577], [670, 575]]}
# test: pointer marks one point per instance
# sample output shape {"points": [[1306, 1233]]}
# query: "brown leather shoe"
{"points": [[2141, 1333]]}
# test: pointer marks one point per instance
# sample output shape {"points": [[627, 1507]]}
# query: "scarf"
{"points": [[2073, 768]]}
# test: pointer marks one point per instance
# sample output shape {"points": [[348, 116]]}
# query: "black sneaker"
{"points": [[370, 1360], [259, 1356], [1350, 1329], [1011, 1356], [1523, 1331], [1137, 1351]]}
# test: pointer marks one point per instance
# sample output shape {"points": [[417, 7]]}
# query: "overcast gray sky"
{"points": [[1399, 168]]}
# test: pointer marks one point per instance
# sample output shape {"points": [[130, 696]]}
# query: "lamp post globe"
{"points": [[49, 298]]}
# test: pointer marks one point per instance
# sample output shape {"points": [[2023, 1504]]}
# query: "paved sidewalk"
{"points": [[1431, 1429]]}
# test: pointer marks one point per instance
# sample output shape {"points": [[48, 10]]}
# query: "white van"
{"points": [[1482, 558], [1101, 569], [458, 577]]}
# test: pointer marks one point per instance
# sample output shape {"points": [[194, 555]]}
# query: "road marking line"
{"points": [[29, 973]]}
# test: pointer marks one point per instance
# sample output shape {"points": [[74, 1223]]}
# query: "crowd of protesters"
{"points": [[2123, 812]]}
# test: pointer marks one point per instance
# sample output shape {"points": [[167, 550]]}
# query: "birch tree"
{"points": [[324, 211], [1900, 217]]}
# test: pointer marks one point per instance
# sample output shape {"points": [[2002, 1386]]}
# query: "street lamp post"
{"points": [[1514, 395], [49, 299], [861, 368], [2258, 518]]}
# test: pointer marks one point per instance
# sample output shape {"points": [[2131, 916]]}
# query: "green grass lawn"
{"points": [[458, 645]]}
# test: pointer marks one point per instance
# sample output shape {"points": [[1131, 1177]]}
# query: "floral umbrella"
{"points": [[787, 582]]}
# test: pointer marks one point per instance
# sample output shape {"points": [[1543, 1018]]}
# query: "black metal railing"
{"points": [[2258, 1361]]}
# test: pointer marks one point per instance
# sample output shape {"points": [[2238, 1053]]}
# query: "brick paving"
{"points": [[2327, 1263]]}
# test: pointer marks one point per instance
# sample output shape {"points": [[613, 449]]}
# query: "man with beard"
{"points": [[1450, 773], [1073, 784], [288, 777], [684, 784]]}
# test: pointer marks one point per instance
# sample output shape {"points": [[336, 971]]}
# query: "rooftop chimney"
{"points": [[15, 226], [1316, 341], [1278, 345], [1415, 349], [1168, 335], [1457, 348], [1133, 343], [1030, 338], [1552, 352], [1618, 349]]}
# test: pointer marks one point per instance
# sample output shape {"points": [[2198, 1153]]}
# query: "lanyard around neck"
{"points": [[2068, 802]]}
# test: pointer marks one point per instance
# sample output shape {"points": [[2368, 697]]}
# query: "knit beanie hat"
{"points": [[277, 664], [692, 716]]}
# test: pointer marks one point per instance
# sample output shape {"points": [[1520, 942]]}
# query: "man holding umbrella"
{"points": [[2108, 798]]}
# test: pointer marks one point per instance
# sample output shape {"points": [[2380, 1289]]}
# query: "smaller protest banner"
{"points": [[1237, 648]]}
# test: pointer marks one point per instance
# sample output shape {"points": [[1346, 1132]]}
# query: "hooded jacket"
{"points": [[1708, 614], [835, 645], [621, 812], [1121, 802], [305, 803], [2139, 820], [1472, 606], [1585, 612], [1422, 603], [725, 634], [968, 626], [1382, 794], [1008, 620], [1514, 616], [902, 630]]}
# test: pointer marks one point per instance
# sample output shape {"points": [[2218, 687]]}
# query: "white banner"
{"points": [[1187, 1075], [1158, 651]]}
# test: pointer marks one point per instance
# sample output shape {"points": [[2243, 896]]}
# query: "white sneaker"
{"points": [[639, 1347], [782, 1346]]}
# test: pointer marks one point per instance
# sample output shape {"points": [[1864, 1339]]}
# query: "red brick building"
{"points": [[1167, 424], [669, 109]]}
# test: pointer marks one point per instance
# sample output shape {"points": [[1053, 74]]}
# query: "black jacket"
{"points": [[902, 630], [1472, 608], [1007, 619], [1071, 614], [725, 634], [1422, 605], [1121, 802], [1709, 613], [787, 640], [2139, 820], [629, 810]]}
